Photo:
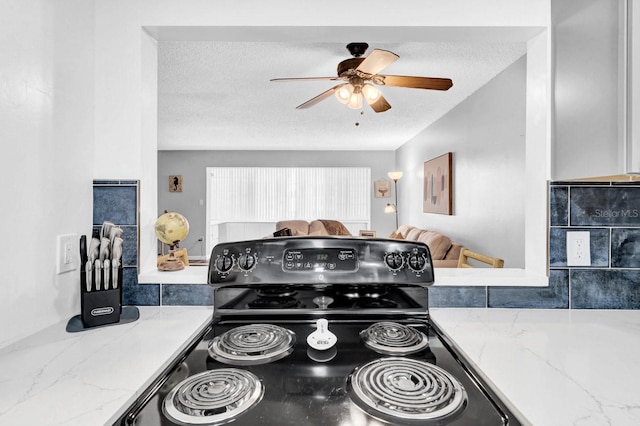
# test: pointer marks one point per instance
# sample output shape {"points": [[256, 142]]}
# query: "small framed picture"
{"points": [[175, 183], [382, 188], [367, 233]]}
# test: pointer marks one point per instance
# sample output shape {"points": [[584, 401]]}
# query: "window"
{"points": [[246, 195]]}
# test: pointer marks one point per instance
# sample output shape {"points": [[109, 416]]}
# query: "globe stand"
{"points": [[171, 228], [170, 262]]}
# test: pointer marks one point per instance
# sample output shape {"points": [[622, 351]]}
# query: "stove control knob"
{"points": [[394, 261], [417, 262], [224, 263], [247, 261]]}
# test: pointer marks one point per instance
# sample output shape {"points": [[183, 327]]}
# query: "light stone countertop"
{"points": [[557, 367], [91, 377]]}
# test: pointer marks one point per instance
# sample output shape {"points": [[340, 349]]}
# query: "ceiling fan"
{"points": [[359, 73]]}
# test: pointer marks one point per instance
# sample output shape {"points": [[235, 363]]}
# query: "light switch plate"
{"points": [[578, 248], [66, 253]]}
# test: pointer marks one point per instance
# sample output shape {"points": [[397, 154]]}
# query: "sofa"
{"points": [[444, 252], [315, 227]]}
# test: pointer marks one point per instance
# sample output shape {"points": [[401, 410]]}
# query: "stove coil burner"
{"points": [[276, 291], [406, 390], [374, 303], [213, 397], [285, 302], [252, 344], [391, 338], [370, 291]]}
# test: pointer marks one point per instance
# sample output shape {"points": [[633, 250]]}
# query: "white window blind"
{"points": [[270, 194]]}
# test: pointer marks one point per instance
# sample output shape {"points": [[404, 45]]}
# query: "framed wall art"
{"points": [[438, 178], [382, 188], [175, 183]]}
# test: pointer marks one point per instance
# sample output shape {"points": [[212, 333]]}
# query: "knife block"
{"points": [[100, 307]]}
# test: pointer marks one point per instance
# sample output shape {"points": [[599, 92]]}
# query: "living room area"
{"points": [[485, 134]]}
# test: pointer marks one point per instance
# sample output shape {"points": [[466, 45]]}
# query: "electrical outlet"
{"points": [[578, 248], [66, 253]]}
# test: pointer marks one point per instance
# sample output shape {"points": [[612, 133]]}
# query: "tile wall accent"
{"points": [[117, 201], [610, 212]]}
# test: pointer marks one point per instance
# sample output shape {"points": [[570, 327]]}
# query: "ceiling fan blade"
{"points": [[416, 82], [376, 61], [380, 104], [305, 79], [321, 97]]}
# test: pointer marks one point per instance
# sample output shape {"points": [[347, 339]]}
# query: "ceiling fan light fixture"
{"points": [[359, 72], [344, 93], [355, 101], [371, 94]]}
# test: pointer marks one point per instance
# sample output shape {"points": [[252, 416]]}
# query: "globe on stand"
{"points": [[171, 228]]}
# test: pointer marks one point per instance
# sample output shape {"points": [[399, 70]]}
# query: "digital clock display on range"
{"points": [[325, 260]]}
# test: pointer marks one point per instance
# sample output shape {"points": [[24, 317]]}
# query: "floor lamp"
{"points": [[393, 208]]}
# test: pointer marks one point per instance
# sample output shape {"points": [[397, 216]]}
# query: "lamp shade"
{"points": [[355, 101], [344, 93], [394, 175], [390, 208], [371, 94]]}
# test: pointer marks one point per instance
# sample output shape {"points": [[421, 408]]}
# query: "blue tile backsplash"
{"points": [[605, 289], [458, 297], [609, 211], [625, 248], [555, 296], [604, 206], [118, 204]]}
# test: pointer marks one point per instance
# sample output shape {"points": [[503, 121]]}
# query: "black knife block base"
{"points": [[101, 307], [129, 314]]}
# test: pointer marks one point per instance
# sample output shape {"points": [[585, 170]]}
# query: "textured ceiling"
{"points": [[216, 95]]}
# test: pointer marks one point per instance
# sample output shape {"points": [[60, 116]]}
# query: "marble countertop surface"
{"points": [[557, 367], [91, 377]]}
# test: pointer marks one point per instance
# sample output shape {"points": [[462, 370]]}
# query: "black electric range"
{"points": [[320, 331]]}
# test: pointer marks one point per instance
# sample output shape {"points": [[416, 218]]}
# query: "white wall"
{"points": [[46, 111], [486, 134], [588, 108]]}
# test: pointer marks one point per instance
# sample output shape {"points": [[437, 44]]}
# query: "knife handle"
{"points": [[98, 273], [83, 250], [88, 275], [106, 267], [114, 275]]}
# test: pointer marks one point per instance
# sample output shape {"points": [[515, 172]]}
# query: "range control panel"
{"points": [[318, 260]]}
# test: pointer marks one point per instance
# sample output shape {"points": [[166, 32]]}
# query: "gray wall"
{"points": [[192, 166], [486, 134]]}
